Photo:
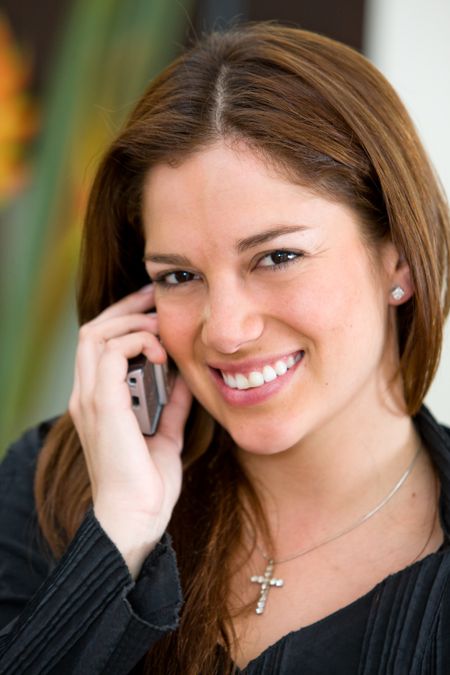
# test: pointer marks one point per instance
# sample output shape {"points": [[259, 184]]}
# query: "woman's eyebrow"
{"points": [[167, 259], [260, 238], [241, 245]]}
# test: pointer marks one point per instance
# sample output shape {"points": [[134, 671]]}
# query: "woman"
{"points": [[272, 186]]}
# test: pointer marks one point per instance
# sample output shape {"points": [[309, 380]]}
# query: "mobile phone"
{"points": [[150, 385]]}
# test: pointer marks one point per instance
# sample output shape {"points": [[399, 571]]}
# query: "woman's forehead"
{"points": [[221, 201]]}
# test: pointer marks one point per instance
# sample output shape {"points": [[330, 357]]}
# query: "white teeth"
{"points": [[230, 381], [257, 377], [269, 374], [242, 382], [280, 368]]}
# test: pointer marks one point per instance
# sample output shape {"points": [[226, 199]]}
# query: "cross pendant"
{"points": [[266, 581]]}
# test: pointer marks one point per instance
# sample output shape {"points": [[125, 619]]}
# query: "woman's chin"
{"points": [[263, 441]]}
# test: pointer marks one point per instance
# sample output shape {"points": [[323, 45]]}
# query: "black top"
{"points": [[84, 614]]}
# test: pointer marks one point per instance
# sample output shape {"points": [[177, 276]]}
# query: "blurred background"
{"points": [[70, 70]]}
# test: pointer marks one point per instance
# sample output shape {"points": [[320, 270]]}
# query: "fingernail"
{"points": [[146, 289]]}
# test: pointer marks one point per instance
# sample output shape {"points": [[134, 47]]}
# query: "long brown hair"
{"points": [[324, 116]]}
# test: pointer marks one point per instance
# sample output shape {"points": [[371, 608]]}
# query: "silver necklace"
{"points": [[267, 579]]}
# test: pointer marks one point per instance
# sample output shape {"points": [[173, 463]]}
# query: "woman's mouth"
{"points": [[258, 377]]}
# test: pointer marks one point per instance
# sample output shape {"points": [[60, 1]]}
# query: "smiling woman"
{"points": [[250, 296], [272, 186]]}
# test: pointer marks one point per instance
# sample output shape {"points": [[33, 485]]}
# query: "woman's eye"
{"points": [[176, 278], [278, 258]]}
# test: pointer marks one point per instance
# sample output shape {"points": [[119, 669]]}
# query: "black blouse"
{"points": [[84, 614]]}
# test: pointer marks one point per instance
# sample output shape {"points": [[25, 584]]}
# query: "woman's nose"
{"points": [[231, 320]]}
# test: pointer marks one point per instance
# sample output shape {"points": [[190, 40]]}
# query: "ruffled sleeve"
{"points": [[84, 613]]}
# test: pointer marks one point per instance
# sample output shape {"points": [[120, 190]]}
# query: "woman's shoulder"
{"points": [[426, 421], [18, 465], [26, 448], [25, 560], [436, 438]]}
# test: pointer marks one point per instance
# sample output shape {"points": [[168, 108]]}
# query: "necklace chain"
{"points": [[359, 522], [267, 580]]}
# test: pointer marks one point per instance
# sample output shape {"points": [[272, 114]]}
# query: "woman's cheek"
{"points": [[168, 326], [174, 329]]}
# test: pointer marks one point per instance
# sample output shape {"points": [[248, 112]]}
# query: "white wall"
{"points": [[409, 41]]}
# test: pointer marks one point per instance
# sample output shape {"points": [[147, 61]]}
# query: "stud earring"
{"points": [[397, 293]]}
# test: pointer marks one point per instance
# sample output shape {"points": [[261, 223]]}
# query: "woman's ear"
{"points": [[401, 284]]}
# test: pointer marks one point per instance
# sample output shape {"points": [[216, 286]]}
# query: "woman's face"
{"points": [[267, 299]]}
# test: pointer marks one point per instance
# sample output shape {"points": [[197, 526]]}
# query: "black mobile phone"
{"points": [[150, 385]]}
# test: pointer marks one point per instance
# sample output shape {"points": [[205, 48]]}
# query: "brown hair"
{"points": [[324, 115]]}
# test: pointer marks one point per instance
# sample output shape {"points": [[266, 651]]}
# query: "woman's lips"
{"points": [[268, 371], [257, 394]]}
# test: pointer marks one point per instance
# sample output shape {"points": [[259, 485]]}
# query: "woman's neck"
{"points": [[333, 476]]}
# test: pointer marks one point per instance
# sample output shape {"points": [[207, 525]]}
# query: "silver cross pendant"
{"points": [[266, 582]]}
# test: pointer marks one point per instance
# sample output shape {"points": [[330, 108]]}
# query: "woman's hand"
{"points": [[136, 480]]}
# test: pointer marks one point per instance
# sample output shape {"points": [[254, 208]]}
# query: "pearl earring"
{"points": [[397, 293]]}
